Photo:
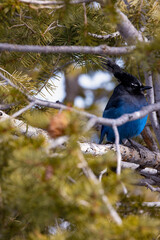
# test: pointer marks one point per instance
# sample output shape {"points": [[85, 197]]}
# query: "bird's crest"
{"points": [[122, 76]]}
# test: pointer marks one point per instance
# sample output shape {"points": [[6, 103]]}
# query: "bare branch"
{"points": [[102, 49], [90, 174], [156, 80], [127, 30], [38, 2], [143, 157], [101, 174], [131, 35], [85, 15], [105, 121], [149, 139], [150, 97], [30, 105], [23, 127], [153, 189], [116, 133], [6, 106]]}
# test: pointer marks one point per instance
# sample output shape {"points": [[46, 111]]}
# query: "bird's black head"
{"points": [[132, 84]]}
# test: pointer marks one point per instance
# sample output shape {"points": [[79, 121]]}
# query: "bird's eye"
{"points": [[134, 85]]}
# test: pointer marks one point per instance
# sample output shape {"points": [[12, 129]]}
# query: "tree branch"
{"points": [[30, 105], [116, 133], [38, 2], [131, 36], [100, 50], [153, 189], [156, 80], [134, 158], [150, 97], [149, 139], [127, 30], [105, 121], [143, 157], [90, 174]]}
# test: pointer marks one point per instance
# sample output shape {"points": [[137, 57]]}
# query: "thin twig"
{"points": [[85, 14], [85, 19], [18, 25], [22, 90], [119, 158], [101, 174], [89, 174], [6, 106], [28, 27], [30, 105], [153, 189]]}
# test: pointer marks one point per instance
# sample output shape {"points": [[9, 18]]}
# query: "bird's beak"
{"points": [[143, 88]]}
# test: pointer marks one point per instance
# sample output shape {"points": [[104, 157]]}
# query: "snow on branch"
{"points": [[104, 37]]}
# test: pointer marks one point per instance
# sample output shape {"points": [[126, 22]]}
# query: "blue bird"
{"points": [[127, 97]]}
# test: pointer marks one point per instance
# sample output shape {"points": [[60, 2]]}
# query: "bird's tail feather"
{"points": [[102, 135]]}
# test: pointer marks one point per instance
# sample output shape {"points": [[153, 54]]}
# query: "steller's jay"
{"points": [[127, 97]]}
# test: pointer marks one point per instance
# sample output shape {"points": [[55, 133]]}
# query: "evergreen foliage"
{"points": [[40, 187]]}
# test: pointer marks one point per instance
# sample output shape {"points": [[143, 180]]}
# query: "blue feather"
{"points": [[123, 101]]}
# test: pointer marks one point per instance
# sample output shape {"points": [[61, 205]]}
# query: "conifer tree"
{"points": [[47, 179]]}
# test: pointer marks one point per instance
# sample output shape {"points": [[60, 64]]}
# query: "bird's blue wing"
{"points": [[126, 130], [109, 113], [114, 109]]}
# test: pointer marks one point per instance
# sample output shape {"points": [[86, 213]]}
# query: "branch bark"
{"points": [[143, 157], [41, 2], [149, 140], [151, 100], [99, 50], [127, 30], [156, 80]]}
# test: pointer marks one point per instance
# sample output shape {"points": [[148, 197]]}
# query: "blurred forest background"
{"points": [[44, 188]]}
